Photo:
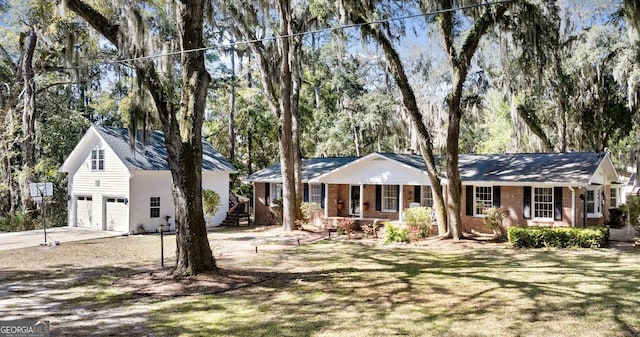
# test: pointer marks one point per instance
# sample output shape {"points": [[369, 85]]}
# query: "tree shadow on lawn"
{"points": [[339, 288], [334, 287]]}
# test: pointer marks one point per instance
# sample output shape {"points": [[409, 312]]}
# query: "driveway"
{"points": [[34, 238]]}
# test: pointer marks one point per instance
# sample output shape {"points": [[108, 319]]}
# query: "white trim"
{"points": [[533, 204], [573, 206], [524, 184], [382, 199], [475, 202], [350, 205], [597, 202], [374, 155]]}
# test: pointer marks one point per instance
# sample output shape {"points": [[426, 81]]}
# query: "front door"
{"points": [[354, 200]]}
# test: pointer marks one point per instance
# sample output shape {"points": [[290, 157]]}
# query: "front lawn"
{"points": [[343, 288]]}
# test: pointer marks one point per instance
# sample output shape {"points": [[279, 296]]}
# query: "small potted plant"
{"points": [[340, 204]]}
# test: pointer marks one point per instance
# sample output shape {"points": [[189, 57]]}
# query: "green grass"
{"points": [[337, 288], [343, 289]]}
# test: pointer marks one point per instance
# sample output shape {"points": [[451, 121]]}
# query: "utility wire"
{"points": [[316, 31]]}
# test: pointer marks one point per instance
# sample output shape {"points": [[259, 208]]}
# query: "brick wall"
{"points": [[511, 198], [263, 214]]}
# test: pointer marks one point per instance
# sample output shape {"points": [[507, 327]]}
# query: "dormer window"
{"points": [[97, 160]]}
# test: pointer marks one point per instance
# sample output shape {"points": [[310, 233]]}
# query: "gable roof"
{"points": [[153, 155], [568, 168], [311, 169]]}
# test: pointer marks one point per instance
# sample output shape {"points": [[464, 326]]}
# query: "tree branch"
{"points": [[96, 20]]}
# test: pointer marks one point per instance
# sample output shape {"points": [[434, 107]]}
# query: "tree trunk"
{"points": [[410, 103], [295, 57], [183, 137], [28, 125], [232, 108], [194, 253], [285, 130]]}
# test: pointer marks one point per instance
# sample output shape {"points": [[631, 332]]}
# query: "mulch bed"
{"points": [[161, 282]]}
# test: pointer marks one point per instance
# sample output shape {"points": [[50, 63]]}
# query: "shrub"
{"points": [[632, 210], [538, 237], [395, 234], [347, 225], [494, 220], [419, 220], [210, 202], [308, 210]]}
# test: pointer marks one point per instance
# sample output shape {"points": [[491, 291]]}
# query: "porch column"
{"points": [[400, 202], [361, 201], [573, 206], [326, 200]]}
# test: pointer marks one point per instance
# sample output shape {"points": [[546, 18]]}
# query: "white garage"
{"points": [[116, 215], [84, 207], [114, 186]]}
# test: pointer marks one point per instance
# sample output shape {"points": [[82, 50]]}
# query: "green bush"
{"points": [[538, 237], [632, 210], [419, 220], [395, 234], [210, 202], [494, 220]]}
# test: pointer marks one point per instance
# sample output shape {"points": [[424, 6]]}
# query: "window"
{"points": [[276, 191], [613, 196], [483, 199], [315, 193], [543, 203], [426, 196], [593, 201], [154, 202], [389, 198], [97, 160]]}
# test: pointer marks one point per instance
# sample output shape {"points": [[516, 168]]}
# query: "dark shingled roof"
{"points": [[153, 156], [311, 169], [574, 167], [568, 167]]}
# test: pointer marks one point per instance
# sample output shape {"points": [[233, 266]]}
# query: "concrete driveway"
{"points": [[33, 238]]}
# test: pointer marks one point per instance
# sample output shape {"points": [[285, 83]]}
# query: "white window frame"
{"points": [[275, 191], [426, 196], [480, 205], [536, 203], [154, 204], [613, 197], [315, 193], [97, 159], [597, 204], [389, 198]]}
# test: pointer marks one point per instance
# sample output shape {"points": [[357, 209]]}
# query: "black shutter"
{"points": [[397, 197], [469, 200], [416, 193], [305, 193], [557, 203], [526, 202], [378, 197], [267, 194], [496, 196], [322, 195]]}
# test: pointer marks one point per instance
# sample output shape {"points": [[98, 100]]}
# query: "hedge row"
{"points": [[538, 237]]}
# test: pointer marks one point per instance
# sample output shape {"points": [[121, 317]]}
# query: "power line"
{"points": [[309, 32]]}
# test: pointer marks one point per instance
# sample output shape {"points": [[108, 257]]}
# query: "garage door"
{"points": [[83, 211], [116, 211]]}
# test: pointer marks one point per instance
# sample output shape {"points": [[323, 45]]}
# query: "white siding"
{"points": [[113, 181], [377, 171], [147, 184], [219, 182]]}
